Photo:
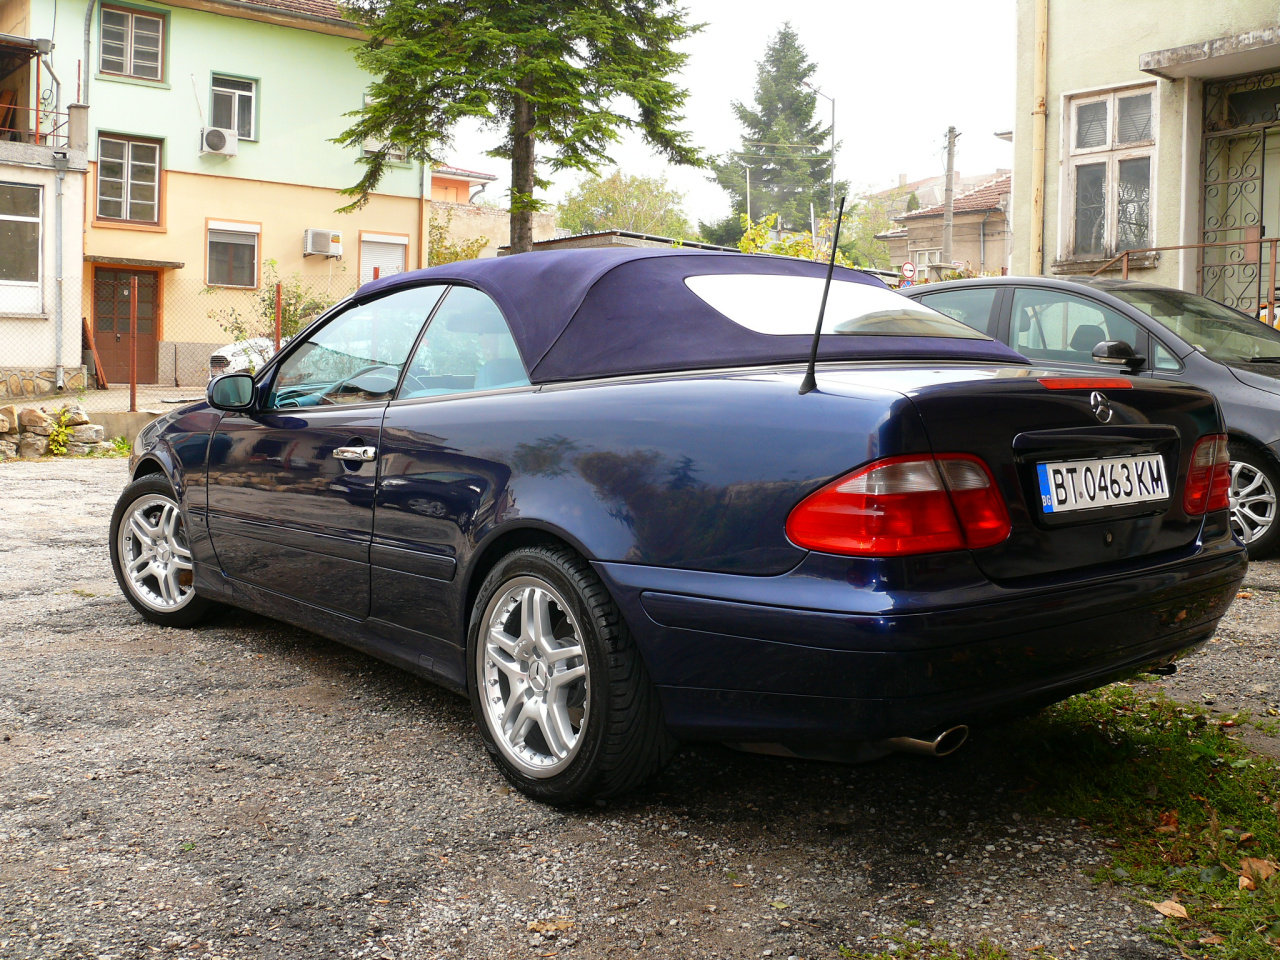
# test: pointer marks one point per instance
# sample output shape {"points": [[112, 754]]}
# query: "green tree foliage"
{"points": [[622, 202], [782, 143], [864, 217], [757, 238], [540, 72]]}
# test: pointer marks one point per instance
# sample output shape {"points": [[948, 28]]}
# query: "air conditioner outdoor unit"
{"points": [[321, 243], [219, 140]]}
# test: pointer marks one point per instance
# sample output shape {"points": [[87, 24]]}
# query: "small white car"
{"points": [[243, 356]]}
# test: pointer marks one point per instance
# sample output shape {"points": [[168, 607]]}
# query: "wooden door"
{"points": [[111, 321]]}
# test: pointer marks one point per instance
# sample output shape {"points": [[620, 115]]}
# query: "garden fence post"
{"points": [[133, 344]]}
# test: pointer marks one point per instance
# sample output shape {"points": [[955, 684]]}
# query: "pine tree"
{"points": [[786, 149], [539, 71]]}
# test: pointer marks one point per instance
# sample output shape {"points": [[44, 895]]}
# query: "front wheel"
{"points": [[559, 691], [151, 556], [1253, 492]]}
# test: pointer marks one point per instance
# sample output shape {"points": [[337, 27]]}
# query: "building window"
{"points": [[233, 255], [233, 106], [1112, 139], [395, 152], [128, 180], [385, 252], [19, 248], [132, 44]]}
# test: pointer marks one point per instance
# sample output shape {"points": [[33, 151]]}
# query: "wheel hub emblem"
{"points": [[538, 676], [1100, 406]]}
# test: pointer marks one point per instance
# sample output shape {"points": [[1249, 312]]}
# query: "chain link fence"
{"points": [[135, 339]]}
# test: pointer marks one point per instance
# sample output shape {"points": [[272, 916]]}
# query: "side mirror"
{"points": [[1117, 353], [231, 391]]}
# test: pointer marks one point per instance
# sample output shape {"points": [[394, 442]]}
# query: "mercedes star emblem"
{"points": [[1100, 406]]}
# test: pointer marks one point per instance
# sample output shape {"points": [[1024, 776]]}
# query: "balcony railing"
{"points": [[1238, 273], [33, 125]]}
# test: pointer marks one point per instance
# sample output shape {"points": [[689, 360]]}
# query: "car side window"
{"points": [[357, 356], [1163, 359], [467, 347], [972, 307], [1050, 325]]}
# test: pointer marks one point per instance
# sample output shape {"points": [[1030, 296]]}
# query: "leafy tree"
{"points": [[622, 202], [864, 217], [541, 72], [300, 303], [756, 239], [782, 145]]}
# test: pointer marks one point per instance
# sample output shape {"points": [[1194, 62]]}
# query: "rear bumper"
{"points": [[735, 669]]}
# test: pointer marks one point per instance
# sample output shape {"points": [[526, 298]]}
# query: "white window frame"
{"points": [[252, 95], [35, 287], [130, 65], [1111, 154], [231, 226], [396, 153], [128, 182]]}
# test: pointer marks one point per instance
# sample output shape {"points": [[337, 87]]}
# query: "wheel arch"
{"points": [[497, 545], [1257, 446]]}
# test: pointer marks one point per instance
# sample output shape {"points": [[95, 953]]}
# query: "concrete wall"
{"points": [[979, 240], [1095, 45]]}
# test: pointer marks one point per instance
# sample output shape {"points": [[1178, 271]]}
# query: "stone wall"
{"points": [[25, 382], [24, 432]]}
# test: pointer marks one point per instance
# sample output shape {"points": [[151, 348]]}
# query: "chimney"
{"points": [[902, 179]]}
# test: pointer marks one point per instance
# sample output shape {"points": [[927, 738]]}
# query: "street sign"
{"points": [[906, 283], [908, 270]]}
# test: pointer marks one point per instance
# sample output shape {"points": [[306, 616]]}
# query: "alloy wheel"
{"points": [[1252, 501], [533, 675], [154, 555]]}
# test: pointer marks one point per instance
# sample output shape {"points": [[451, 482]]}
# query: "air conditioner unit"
{"points": [[219, 140], [321, 243]]}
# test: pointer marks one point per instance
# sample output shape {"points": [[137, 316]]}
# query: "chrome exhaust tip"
{"points": [[944, 744]]}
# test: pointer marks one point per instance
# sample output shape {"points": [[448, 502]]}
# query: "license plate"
{"points": [[1112, 482]]}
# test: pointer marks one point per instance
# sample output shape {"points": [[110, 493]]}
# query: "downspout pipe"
{"points": [[88, 28], [1039, 122], [60, 173]]}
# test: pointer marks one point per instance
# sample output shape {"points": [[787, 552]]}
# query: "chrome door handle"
{"points": [[355, 453]]}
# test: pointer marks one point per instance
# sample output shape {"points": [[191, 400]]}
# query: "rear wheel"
{"points": [[151, 556], [1255, 482], [559, 691]]}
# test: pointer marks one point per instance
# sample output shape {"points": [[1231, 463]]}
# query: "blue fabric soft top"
{"points": [[578, 314]]}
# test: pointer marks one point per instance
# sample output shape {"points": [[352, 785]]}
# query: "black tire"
{"points": [[1265, 543], [622, 740], [154, 489]]}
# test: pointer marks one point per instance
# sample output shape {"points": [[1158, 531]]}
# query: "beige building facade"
{"points": [[1160, 129]]}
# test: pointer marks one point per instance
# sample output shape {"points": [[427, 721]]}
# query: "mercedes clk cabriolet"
{"points": [[586, 489]]}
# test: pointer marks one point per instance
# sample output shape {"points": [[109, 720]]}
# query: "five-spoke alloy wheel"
{"points": [[151, 555], [559, 691], [1253, 500]]}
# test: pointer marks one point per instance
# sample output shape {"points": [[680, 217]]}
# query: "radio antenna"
{"points": [[810, 379]]}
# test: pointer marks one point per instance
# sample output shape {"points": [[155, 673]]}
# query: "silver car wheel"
{"points": [[533, 673], [154, 554], [1253, 501]]}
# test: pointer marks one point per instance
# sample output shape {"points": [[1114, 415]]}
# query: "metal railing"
{"points": [[1249, 286], [44, 127]]}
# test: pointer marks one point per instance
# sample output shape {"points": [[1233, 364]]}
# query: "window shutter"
{"points": [[387, 257]]}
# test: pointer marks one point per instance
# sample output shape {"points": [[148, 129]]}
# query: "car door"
{"points": [[291, 484], [1052, 326], [977, 307], [437, 492]]}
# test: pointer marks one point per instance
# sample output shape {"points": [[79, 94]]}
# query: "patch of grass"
{"points": [[1193, 813], [928, 950]]}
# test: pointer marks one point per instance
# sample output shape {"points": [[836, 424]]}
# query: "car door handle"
{"points": [[355, 453]]}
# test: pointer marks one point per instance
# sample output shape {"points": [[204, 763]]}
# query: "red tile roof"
{"points": [[310, 9], [985, 196]]}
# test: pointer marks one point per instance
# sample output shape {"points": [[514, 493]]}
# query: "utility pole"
{"points": [[949, 196]]}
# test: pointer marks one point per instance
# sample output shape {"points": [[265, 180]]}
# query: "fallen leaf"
{"points": [[739, 885], [1213, 940], [1247, 884], [779, 905], [1169, 908], [551, 926], [1168, 828], [1258, 870], [1169, 819], [1243, 595]]}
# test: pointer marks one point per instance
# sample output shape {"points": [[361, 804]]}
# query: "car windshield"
{"points": [[787, 306], [1222, 333]]}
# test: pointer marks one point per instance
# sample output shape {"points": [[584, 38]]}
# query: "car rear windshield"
{"points": [[787, 306], [1214, 329]]}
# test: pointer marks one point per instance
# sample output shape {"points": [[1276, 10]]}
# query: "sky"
{"points": [[900, 75]]}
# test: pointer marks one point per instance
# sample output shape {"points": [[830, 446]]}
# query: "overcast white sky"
{"points": [[900, 74]]}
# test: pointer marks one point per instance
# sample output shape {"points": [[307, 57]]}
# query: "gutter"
{"points": [[1039, 122]]}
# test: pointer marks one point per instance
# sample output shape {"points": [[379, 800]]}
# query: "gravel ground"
{"points": [[246, 789]]}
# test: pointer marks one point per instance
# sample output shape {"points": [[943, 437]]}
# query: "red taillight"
{"points": [[901, 506], [1087, 383], [1209, 477]]}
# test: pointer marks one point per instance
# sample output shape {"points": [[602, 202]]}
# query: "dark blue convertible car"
{"points": [[584, 489]]}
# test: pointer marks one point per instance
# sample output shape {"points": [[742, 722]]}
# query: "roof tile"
{"points": [[985, 196]]}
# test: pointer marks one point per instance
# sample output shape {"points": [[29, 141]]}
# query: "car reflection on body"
{"points": [[584, 489]]}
